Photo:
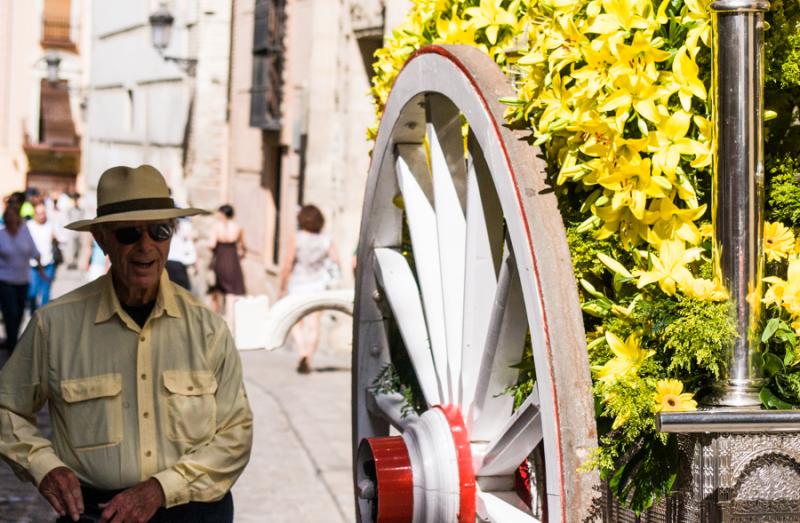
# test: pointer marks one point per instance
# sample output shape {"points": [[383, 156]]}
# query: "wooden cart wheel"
{"points": [[462, 264]]}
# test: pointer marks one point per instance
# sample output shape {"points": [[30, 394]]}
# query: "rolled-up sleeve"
{"points": [[208, 471], [23, 392]]}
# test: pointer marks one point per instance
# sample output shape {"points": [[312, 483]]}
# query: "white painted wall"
{"points": [[138, 107]]}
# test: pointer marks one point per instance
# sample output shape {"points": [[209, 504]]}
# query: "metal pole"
{"points": [[738, 194]]}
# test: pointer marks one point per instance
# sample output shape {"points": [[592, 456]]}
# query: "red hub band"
{"points": [[466, 475], [393, 477], [395, 485]]}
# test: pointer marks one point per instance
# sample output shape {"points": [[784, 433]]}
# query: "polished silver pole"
{"points": [[738, 192]]}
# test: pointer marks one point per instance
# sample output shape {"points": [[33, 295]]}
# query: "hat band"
{"points": [[141, 204]]}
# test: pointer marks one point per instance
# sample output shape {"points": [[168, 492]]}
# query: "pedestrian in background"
{"points": [[182, 254], [95, 262], [46, 239], [306, 269], [73, 212], [16, 251], [227, 246]]}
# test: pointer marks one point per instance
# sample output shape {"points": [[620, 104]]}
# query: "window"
{"points": [[265, 94], [56, 30]]}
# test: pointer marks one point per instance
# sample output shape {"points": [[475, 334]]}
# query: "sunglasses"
{"points": [[158, 232]]}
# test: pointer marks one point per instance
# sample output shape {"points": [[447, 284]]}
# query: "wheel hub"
{"points": [[425, 475]]}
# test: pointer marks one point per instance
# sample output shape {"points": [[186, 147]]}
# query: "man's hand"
{"points": [[135, 505], [61, 488]]}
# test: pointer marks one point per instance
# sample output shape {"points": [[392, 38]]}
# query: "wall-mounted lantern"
{"points": [[161, 22], [53, 62]]}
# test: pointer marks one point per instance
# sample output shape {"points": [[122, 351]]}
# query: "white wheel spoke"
{"points": [[484, 225], [516, 441], [451, 229], [390, 407], [401, 290], [503, 347], [491, 507], [421, 225]]}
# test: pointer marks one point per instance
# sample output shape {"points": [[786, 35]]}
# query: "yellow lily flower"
{"points": [[704, 289], [631, 230], [779, 241], [556, 102], [669, 141], [786, 293], [635, 90], [620, 14], [628, 358], [697, 15], [632, 184], [685, 79], [491, 17], [671, 223], [669, 267], [671, 398]]}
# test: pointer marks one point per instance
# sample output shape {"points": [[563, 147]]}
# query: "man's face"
{"points": [[40, 213], [136, 266]]}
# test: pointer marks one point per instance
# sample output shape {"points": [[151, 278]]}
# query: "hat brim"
{"points": [[136, 216]]}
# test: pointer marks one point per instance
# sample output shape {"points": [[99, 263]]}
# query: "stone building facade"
{"points": [[41, 117], [311, 147], [146, 109]]}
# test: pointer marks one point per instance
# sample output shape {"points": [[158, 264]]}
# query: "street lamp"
{"points": [[161, 28], [161, 22], [53, 62]]}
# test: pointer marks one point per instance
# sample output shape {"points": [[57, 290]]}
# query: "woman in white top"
{"points": [[303, 271], [43, 232]]}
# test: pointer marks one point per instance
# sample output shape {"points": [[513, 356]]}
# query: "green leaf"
{"points": [[771, 401], [511, 100], [597, 308], [772, 364], [769, 330], [788, 358], [588, 287], [614, 265]]}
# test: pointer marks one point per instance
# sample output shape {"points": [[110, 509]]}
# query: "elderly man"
{"points": [[143, 383]]}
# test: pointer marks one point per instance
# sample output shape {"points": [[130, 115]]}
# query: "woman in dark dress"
{"points": [[228, 247]]}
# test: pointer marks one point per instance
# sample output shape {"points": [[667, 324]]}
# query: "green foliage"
{"points": [[782, 74], [527, 375], [783, 190], [389, 381], [646, 473], [694, 335]]}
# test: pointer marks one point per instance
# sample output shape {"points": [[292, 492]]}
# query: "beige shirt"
{"points": [[128, 403]]}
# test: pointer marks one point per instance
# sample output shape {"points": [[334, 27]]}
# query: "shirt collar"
{"points": [[110, 305]]}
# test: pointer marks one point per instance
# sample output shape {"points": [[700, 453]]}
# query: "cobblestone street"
{"points": [[300, 469]]}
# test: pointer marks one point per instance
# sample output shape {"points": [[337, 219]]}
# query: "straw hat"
{"points": [[125, 194]]}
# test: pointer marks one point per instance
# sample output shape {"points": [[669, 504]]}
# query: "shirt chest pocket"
{"points": [[191, 406], [93, 411]]}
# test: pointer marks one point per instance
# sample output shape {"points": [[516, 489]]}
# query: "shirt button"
{"points": [[191, 387], [142, 338], [148, 454], [144, 376], [146, 415]]}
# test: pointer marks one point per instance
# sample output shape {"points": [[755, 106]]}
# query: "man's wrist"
{"points": [[173, 486], [42, 463], [156, 485]]}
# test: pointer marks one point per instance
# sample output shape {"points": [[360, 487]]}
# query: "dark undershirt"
{"points": [[139, 313]]}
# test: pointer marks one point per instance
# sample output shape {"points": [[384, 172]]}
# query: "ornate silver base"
{"points": [[728, 478]]}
